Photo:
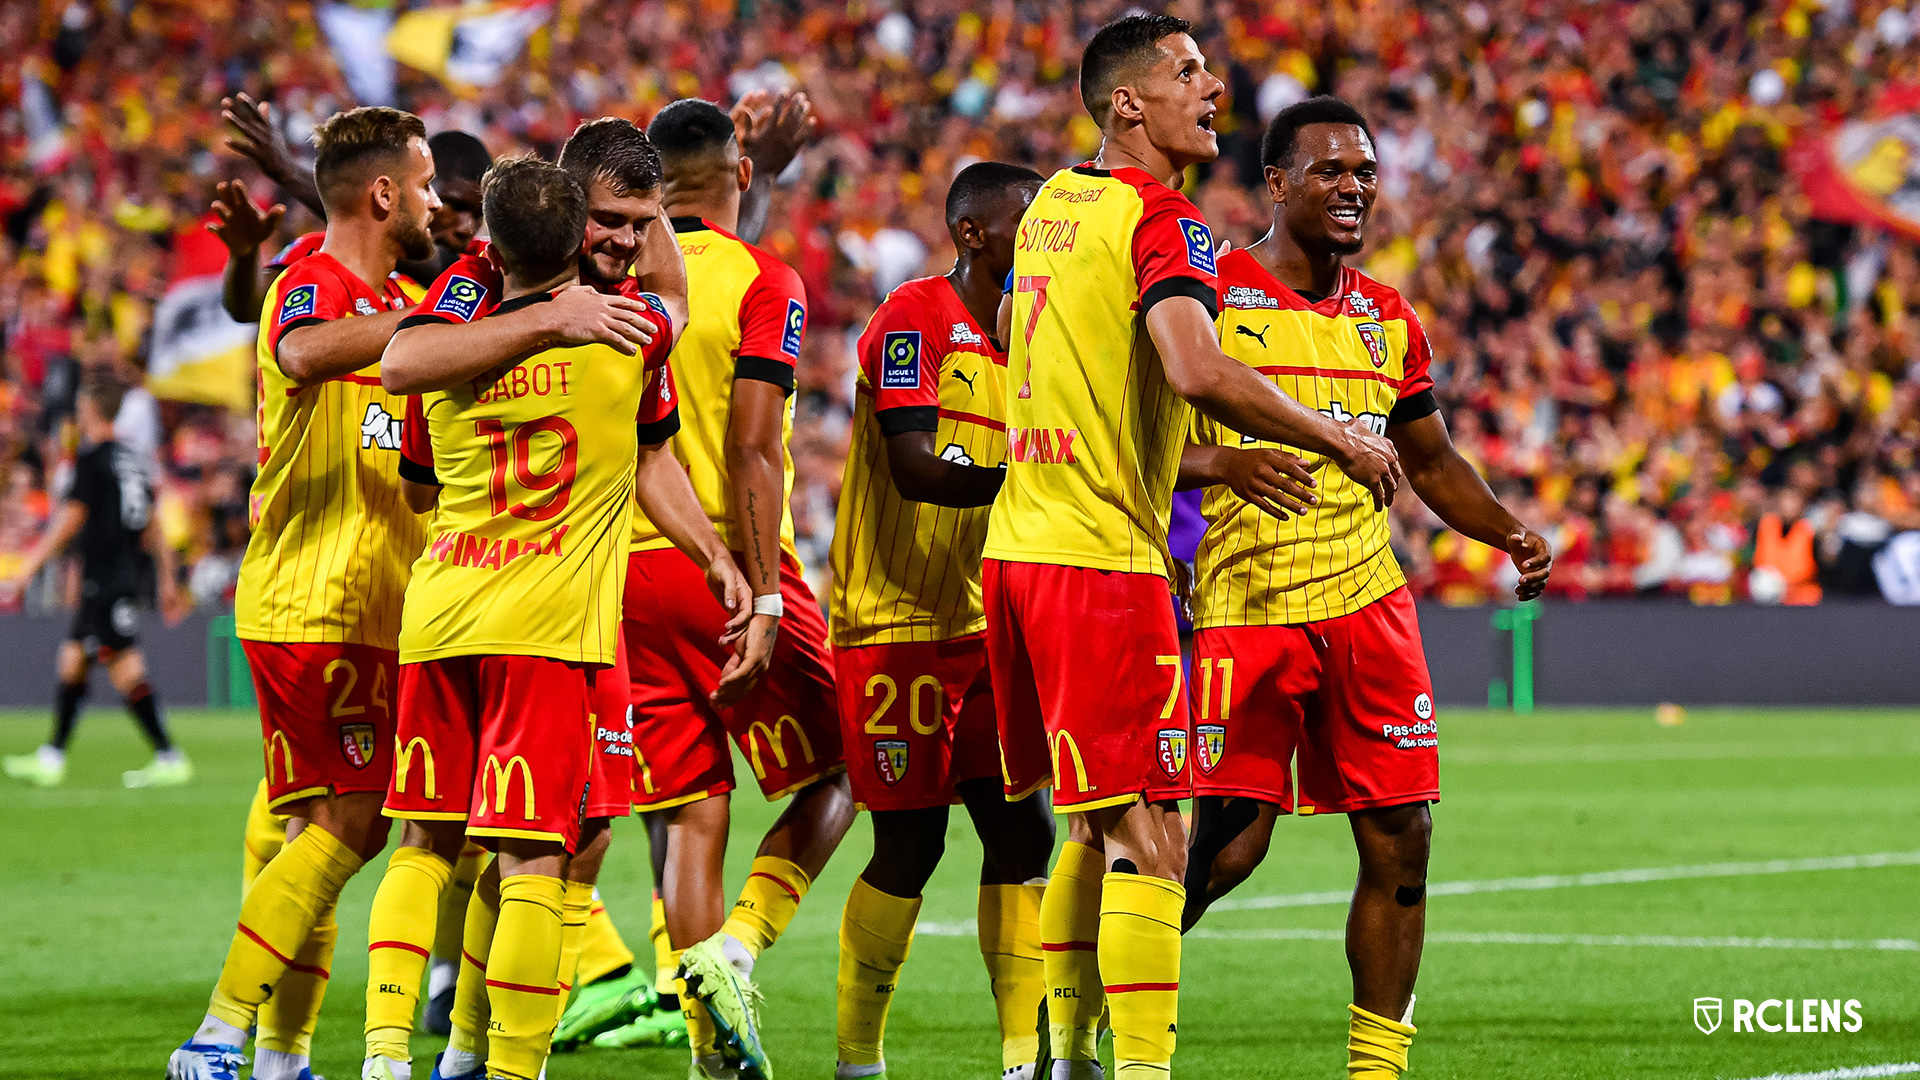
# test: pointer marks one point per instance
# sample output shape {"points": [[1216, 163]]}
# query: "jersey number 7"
{"points": [[516, 449], [1037, 286]]}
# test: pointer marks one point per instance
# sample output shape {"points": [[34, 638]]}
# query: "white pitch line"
{"points": [[1627, 753], [1863, 1072], [1605, 877], [1657, 941]]}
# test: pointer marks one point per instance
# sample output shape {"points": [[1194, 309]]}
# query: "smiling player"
{"points": [[1307, 639]]}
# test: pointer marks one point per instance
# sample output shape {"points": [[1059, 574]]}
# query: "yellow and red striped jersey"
{"points": [[910, 571], [535, 462], [332, 539], [746, 312], [1094, 432], [1359, 352]]}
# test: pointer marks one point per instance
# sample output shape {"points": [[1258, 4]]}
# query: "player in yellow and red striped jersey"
{"points": [[630, 259], [1112, 338], [318, 602], [909, 631], [1307, 646]]}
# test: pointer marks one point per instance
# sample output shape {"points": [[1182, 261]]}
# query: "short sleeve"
{"points": [[900, 358], [308, 294], [1419, 365], [1173, 253], [466, 291], [416, 444], [773, 320]]}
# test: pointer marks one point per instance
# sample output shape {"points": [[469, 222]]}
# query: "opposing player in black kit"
{"points": [[107, 517]]}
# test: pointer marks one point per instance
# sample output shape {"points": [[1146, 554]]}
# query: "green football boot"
{"points": [[660, 1028], [603, 1006], [733, 1002]]}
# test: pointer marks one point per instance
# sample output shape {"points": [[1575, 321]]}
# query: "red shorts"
{"points": [[1087, 673], [325, 716], [503, 743], [788, 727], [610, 784], [1350, 695], [920, 715]]}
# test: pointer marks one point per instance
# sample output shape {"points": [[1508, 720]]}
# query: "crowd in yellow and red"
{"points": [[1644, 335]]}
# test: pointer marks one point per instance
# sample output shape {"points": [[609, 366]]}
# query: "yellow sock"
{"points": [[1010, 944], [602, 950], [448, 926], [576, 902], [276, 917], [665, 960], [471, 1013], [287, 1019], [523, 974], [400, 931], [1069, 929], [876, 933], [266, 834], [1376, 1046], [1140, 963], [767, 903]]}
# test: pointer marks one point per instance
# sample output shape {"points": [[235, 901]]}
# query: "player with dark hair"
{"points": [[1112, 348], [317, 607], [107, 517], [454, 338], [694, 696], [511, 618], [909, 633], [1286, 610]]}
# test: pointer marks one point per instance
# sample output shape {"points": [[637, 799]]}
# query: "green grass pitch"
{"points": [[116, 906]]}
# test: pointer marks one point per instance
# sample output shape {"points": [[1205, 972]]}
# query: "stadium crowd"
{"points": [[1641, 335]]}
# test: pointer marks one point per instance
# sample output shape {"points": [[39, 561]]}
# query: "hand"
{"points": [[772, 129], [1273, 480], [1533, 557], [256, 137], [1372, 461], [751, 655], [583, 315], [242, 226], [729, 586], [175, 604]]}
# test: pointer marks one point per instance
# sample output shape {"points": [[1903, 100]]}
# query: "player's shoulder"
{"points": [[1155, 195], [927, 296], [302, 246], [1366, 298], [468, 289]]}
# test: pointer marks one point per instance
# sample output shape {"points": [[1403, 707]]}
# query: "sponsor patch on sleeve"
{"points": [[653, 301], [461, 298], [1199, 244], [900, 360], [298, 302], [796, 320]]}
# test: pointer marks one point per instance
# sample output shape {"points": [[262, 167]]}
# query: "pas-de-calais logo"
{"points": [[900, 360], [1211, 745], [1706, 1015], [1173, 751], [1374, 336], [890, 760], [356, 744]]}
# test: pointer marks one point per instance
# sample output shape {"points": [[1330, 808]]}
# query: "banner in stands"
{"points": [[199, 353], [1865, 171]]}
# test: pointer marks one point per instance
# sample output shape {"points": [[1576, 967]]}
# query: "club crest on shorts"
{"points": [[1210, 745], [890, 760], [1173, 751], [1374, 337], [356, 744]]}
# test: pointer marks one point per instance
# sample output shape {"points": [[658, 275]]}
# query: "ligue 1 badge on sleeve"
{"points": [[890, 760], [356, 744]]}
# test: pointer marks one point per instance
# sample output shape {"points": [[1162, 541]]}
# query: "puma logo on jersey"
{"points": [[1257, 335], [966, 378], [379, 428]]}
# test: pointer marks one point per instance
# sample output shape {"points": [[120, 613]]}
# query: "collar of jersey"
{"points": [[690, 223], [519, 302], [1087, 169]]}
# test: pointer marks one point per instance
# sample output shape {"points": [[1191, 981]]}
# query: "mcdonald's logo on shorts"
{"points": [[286, 757], [501, 777], [403, 765], [1055, 741], [775, 743]]}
